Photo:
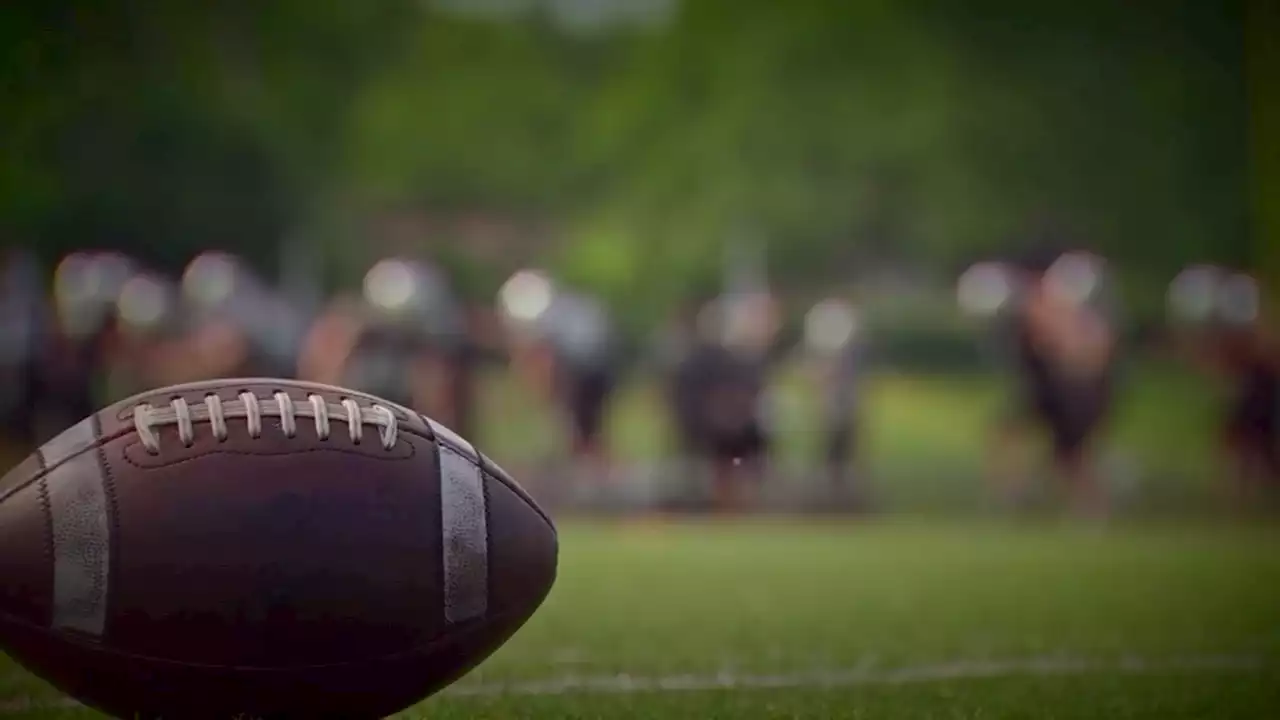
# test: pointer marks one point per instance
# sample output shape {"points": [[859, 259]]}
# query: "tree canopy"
{"points": [[839, 134]]}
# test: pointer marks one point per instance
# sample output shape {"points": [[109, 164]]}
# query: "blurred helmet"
{"points": [[86, 288], [1076, 277], [223, 285], [524, 300], [212, 280], [148, 304], [744, 322], [1193, 294], [831, 326], [413, 295], [986, 288]]}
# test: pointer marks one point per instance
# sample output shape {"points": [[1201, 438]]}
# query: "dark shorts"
{"points": [[1252, 424], [586, 394], [748, 441], [749, 444], [841, 445], [1071, 414]]}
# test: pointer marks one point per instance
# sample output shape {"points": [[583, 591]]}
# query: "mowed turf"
{"points": [[924, 437], [879, 618]]}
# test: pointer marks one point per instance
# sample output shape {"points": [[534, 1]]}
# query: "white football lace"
{"points": [[147, 418]]}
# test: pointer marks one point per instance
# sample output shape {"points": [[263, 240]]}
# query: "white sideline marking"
{"points": [[1050, 666], [1045, 666]]}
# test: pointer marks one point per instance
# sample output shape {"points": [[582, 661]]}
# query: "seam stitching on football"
{"points": [[248, 406], [47, 505], [124, 408], [46, 468]]}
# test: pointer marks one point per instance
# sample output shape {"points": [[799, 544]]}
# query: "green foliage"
{"points": [[173, 129], [843, 134], [474, 114]]}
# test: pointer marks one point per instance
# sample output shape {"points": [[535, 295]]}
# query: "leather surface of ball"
{"points": [[263, 548]]}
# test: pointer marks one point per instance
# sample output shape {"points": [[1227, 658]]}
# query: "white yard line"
{"points": [[1049, 666], [1043, 666]]}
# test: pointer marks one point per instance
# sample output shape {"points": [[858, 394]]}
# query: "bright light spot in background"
{"points": [[830, 325], [390, 285], [143, 302], [107, 274], [77, 294], [743, 321], [72, 285], [1239, 299], [526, 296], [984, 289], [85, 286], [1076, 276], [1193, 295], [210, 279]]}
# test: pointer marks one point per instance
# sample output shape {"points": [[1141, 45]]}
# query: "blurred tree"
{"points": [[849, 132], [1264, 104], [164, 130], [844, 134]]}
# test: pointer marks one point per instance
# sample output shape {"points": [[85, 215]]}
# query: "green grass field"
{"points": [[879, 619], [924, 435], [907, 615]]}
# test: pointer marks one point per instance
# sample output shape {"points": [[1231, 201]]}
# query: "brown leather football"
{"points": [[263, 548]]}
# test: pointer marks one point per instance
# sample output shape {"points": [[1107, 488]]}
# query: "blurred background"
{"points": [[674, 254]]}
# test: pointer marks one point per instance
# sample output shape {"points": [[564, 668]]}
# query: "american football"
{"points": [[263, 548], [905, 360]]}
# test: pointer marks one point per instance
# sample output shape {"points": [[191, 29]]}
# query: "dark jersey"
{"points": [[381, 364], [719, 391], [1254, 404]]}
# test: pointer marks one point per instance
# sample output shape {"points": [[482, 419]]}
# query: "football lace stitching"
{"points": [[147, 419]]}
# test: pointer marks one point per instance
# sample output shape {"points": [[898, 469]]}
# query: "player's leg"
{"points": [[1241, 461], [725, 488], [1249, 439], [589, 399], [739, 467], [1075, 429], [1271, 461], [839, 449], [1008, 457]]}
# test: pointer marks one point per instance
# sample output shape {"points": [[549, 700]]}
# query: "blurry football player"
{"points": [[1062, 344], [24, 311], [678, 342], [403, 339], [564, 343], [1220, 322], [523, 302], [75, 348], [250, 328], [834, 340], [580, 333], [720, 391], [155, 345]]}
